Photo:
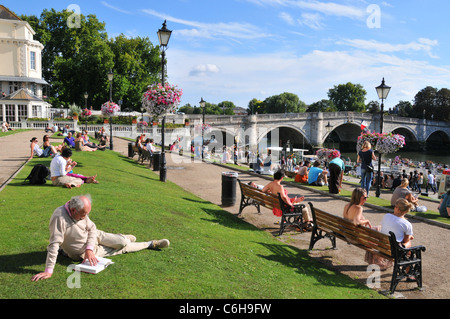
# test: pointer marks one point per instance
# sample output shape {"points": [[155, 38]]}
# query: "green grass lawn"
{"points": [[213, 254]]}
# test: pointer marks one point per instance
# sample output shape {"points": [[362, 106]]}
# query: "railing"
{"points": [[119, 130]]}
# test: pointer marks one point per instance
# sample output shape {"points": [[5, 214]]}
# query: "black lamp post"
{"points": [[202, 105], [85, 105], [110, 78], [382, 91], [163, 36]]}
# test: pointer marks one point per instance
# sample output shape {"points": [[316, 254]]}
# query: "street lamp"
{"points": [[85, 105], [110, 78], [202, 105], [382, 91], [163, 36]]}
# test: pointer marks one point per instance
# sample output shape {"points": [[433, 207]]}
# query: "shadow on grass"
{"points": [[302, 262], [226, 219], [18, 263]]}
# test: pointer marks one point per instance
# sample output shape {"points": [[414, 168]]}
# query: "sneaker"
{"points": [[157, 244]]}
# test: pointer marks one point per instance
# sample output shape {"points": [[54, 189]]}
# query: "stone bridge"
{"points": [[314, 130]]}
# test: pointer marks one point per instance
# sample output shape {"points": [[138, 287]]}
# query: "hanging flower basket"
{"points": [[159, 99], [86, 113], [327, 154], [143, 124], [384, 143], [110, 109], [206, 128]]}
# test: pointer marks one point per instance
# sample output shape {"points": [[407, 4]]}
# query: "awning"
{"points": [[22, 79]]}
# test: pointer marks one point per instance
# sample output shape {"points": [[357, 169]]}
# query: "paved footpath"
{"points": [[204, 180]]}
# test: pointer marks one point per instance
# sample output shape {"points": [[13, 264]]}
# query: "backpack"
{"points": [[38, 175]]}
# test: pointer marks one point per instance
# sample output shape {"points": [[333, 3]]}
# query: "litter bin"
{"points": [[130, 150], [156, 161], [229, 182]]}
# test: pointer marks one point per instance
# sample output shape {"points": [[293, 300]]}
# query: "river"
{"points": [[442, 157]]}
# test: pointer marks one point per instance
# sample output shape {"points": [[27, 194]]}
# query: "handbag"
{"points": [[369, 168]]}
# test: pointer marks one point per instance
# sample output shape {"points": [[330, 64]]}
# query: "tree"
{"points": [[137, 64], [284, 103], [77, 59], [226, 107], [321, 106], [348, 97], [404, 109], [373, 107], [255, 106], [74, 60], [442, 105], [186, 109], [424, 102]]}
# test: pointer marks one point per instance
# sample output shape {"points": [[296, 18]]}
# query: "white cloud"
{"points": [[286, 17], [106, 4], [213, 30], [327, 8], [204, 69], [310, 76], [311, 20], [422, 44]]}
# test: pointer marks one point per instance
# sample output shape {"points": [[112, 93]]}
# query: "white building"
{"points": [[21, 83]]}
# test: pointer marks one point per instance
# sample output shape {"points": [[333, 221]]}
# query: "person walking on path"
{"points": [[73, 231], [430, 183], [365, 157], [336, 168]]}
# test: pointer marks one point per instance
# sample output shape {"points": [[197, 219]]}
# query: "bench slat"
{"points": [[364, 237], [266, 199]]}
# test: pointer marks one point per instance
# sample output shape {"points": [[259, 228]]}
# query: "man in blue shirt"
{"points": [[69, 140], [317, 176]]}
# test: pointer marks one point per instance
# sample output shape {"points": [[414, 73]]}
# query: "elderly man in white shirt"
{"points": [[59, 170]]}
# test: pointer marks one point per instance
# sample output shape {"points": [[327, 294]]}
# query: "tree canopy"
{"points": [[77, 59], [348, 97]]}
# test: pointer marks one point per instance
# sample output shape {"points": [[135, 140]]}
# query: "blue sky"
{"points": [[237, 50]]}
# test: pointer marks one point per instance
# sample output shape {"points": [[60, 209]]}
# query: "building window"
{"points": [[33, 60], [34, 88], [22, 112], [37, 111], [14, 86], [10, 113]]}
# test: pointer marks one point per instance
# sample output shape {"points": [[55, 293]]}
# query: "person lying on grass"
{"points": [[72, 230]]}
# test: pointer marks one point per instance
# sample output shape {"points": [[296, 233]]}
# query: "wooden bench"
{"points": [[407, 261], [143, 155], [251, 196]]}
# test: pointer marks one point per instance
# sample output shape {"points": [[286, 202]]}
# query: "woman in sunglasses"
{"points": [[353, 211]]}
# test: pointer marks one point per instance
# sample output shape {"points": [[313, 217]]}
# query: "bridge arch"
{"points": [[343, 136], [437, 140], [281, 133]]}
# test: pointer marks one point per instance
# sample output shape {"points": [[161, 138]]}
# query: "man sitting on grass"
{"points": [[69, 140], [72, 230], [317, 176]]}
